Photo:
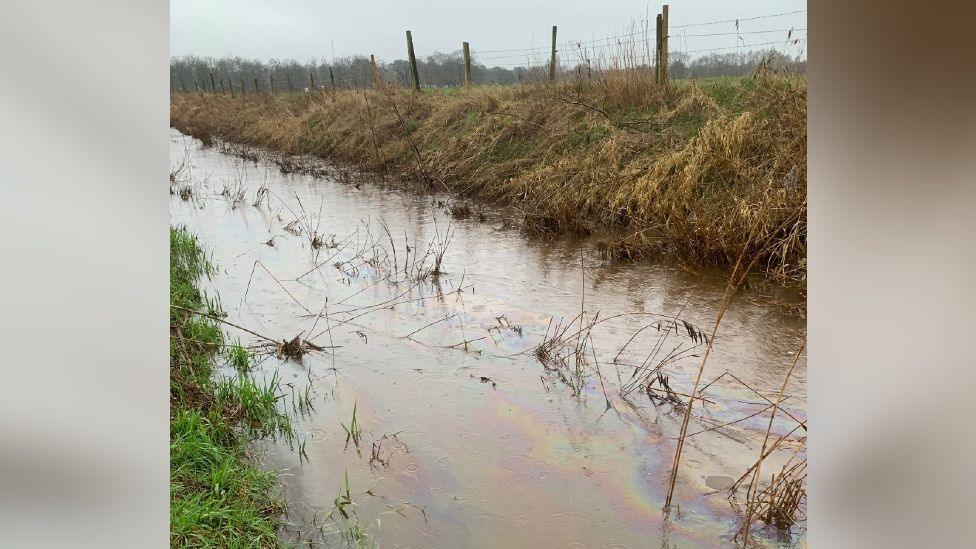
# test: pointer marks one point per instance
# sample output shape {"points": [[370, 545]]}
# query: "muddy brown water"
{"points": [[491, 448]]}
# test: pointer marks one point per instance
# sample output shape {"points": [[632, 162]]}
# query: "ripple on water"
{"points": [[315, 435]]}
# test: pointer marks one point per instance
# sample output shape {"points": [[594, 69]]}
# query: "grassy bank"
{"points": [[700, 170], [217, 497]]}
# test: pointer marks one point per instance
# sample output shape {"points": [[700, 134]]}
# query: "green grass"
{"points": [[353, 535], [586, 134], [239, 358], [353, 431], [356, 536], [217, 497], [344, 499], [255, 405], [447, 92]]}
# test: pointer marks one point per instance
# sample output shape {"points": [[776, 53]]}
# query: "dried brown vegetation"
{"points": [[691, 169], [460, 211]]}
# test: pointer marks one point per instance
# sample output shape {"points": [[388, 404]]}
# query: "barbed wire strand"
{"points": [[798, 40], [793, 34], [647, 30]]}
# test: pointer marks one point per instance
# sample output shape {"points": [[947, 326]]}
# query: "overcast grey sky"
{"points": [[307, 29]]}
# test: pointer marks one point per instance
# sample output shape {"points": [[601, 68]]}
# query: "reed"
{"points": [[778, 503]]}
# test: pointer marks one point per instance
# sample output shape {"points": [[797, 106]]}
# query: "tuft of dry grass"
{"points": [[461, 211], [688, 169]]}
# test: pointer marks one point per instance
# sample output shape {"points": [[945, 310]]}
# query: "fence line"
{"points": [[740, 46], [603, 46], [739, 20], [537, 57], [795, 38], [647, 30]]}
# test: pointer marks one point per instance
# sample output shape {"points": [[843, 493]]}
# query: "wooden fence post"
{"points": [[372, 70], [413, 62], [243, 87], [213, 86], [256, 88], [230, 84], [657, 50], [332, 79], [222, 90], [467, 63], [664, 44], [311, 78], [288, 78], [552, 60]]}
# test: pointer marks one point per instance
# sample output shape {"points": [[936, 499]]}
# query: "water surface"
{"points": [[491, 448]]}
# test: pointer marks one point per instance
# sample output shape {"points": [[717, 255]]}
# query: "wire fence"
{"points": [[792, 44], [694, 49]]}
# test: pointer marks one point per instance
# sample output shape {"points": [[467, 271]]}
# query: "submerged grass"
{"points": [[691, 169], [353, 431], [217, 497]]}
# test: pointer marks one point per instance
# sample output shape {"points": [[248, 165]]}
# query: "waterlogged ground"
{"points": [[491, 447]]}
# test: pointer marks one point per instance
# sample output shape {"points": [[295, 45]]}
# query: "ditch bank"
{"points": [[218, 495], [705, 171]]}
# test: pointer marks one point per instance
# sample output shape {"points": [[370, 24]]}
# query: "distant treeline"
{"points": [[438, 70]]}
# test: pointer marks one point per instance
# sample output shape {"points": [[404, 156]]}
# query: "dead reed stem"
{"points": [[218, 319], [802, 423], [762, 451], [280, 285], [735, 280]]}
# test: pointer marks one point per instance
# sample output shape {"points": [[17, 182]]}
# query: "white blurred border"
{"points": [[84, 385], [892, 203]]}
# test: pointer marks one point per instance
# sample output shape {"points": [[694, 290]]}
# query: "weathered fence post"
{"points": [[230, 84], [311, 78], [332, 79], [372, 70], [413, 62], [664, 44], [256, 88], [213, 86], [657, 50], [288, 78], [552, 60], [467, 63]]}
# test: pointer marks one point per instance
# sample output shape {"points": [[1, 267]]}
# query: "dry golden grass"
{"points": [[699, 170]]}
